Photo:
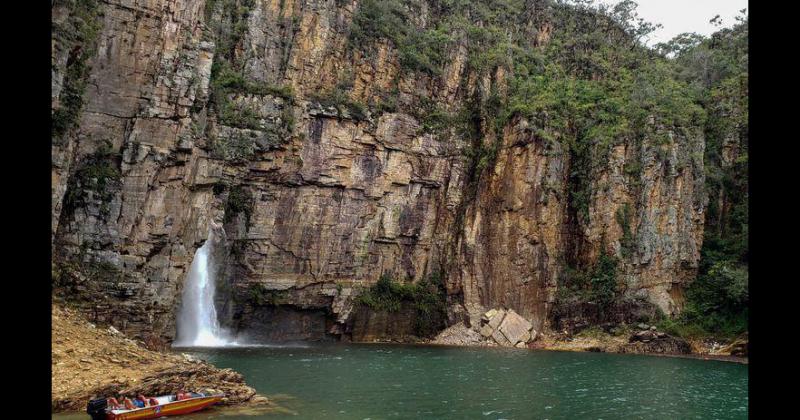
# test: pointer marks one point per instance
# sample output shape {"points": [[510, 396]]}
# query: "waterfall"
{"points": [[197, 321]]}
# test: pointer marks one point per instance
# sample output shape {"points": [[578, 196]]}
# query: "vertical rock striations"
{"points": [[331, 160]]}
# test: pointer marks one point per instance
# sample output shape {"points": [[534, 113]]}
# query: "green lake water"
{"points": [[370, 381]]}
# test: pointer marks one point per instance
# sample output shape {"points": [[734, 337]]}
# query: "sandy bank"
{"points": [[89, 361]]}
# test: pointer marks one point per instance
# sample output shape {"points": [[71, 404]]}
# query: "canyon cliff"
{"points": [[332, 153]]}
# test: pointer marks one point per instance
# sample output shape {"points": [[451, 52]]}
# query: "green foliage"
{"points": [[422, 50], [226, 81], [81, 273], [425, 50], [240, 200], [379, 19], [224, 78], [237, 147], [427, 297], [386, 295], [219, 188], [387, 103], [341, 101], [97, 176], [717, 301], [430, 302], [623, 217], [229, 26], [604, 279], [78, 34], [596, 284], [239, 115], [681, 328], [228, 21], [259, 295], [432, 117]]}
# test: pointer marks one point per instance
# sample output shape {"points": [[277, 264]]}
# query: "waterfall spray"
{"points": [[197, 321]]}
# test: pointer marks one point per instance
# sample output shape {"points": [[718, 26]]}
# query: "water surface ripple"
{"points": [[338, 381]]}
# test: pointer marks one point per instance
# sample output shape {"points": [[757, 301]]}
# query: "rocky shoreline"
{"points": [[89, 361], [505, 328]]}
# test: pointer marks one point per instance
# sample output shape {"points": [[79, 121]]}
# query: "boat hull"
{"points": [[169, 409]]}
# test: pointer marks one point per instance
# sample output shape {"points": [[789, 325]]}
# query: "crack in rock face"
{"points": [[326, 168]]}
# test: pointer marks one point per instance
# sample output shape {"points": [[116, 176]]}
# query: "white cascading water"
{"points": [[197, 321]]}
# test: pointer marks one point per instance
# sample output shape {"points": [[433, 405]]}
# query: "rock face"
{"points": [[317, 201], [739, 347], [650, 341]]}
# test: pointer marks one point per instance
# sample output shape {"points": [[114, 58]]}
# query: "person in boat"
{"points": [[129, 405], [141, 401], [182, 396], [153, 401], [114, 404]]}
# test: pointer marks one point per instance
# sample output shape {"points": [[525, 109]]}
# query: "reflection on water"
{"points": [[338, 381]]}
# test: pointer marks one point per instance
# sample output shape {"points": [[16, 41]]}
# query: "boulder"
{"points": [[489, 315], [501, 339], [486, 331], [516, 328], [739, 347], [643, 336], [495, 321], [459, 335]]}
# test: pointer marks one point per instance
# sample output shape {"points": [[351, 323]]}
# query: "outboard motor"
{"points": [[97, 409]]}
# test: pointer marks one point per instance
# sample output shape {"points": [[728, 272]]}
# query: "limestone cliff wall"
{"points": [[519, 235], [317, 202]]}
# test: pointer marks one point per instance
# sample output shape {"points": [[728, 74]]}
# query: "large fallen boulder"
{"points": [[507, 328], [516, 328]]}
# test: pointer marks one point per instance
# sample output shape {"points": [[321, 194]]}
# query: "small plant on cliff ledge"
{"points": [[239, 115], [240, 200], [386, 295], [430, 304], [427, 298], [341, 101], [228, 80], [598, 284], [259, 295], [236, 147], [623, 217], [97, 177]]}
